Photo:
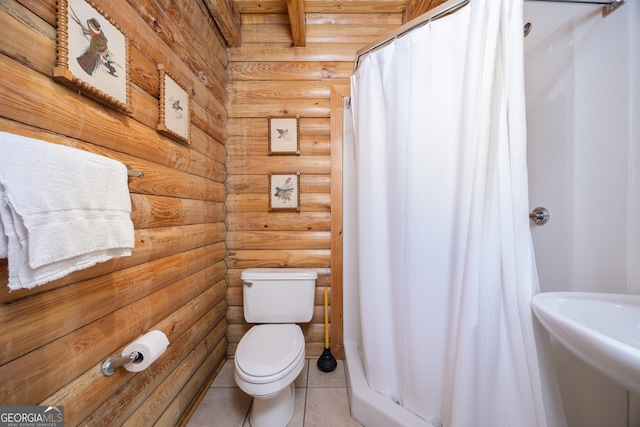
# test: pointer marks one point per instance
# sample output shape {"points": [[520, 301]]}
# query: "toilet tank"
{"points": [[278, 295]]}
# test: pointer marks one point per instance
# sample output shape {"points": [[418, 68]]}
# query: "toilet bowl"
{"points": [[271, 355], [267, 361]]}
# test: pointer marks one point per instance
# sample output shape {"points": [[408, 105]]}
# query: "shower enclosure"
{"points": [[583, 136]]}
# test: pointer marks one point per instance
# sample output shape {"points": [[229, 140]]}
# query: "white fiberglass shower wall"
{"points": [[582, 91]]}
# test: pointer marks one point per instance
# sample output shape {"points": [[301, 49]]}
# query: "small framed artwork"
{"points": [[175, 108], [283, 136], [92, 54], [284, 191]]}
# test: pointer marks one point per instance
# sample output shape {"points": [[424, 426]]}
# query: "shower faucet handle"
{"points": [[540, 215]]}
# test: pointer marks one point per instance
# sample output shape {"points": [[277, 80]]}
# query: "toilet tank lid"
{"points": [[279, 274]]}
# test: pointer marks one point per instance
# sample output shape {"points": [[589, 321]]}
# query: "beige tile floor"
{"points": [[321, 400]]}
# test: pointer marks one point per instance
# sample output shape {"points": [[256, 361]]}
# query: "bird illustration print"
{"points": [[97, 55], [176, 107], [284, 193], [283, 133]]}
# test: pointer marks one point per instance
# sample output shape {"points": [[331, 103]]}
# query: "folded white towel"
{"points": [[61, 210]]}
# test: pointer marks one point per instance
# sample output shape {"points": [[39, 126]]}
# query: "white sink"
{"points": [[601, 329]]}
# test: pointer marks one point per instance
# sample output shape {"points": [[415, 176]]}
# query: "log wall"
{"points": [[54, 338], [268, 76], [200, 213]]}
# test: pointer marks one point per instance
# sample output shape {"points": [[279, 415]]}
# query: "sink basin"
{"points": [[601, 329]]}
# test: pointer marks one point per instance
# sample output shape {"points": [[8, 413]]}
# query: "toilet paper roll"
{"points": [[150, 346]]}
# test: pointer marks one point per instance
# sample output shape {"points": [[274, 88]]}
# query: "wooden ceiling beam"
{"points": [[324, 6], [295, 8], [227, 17]]}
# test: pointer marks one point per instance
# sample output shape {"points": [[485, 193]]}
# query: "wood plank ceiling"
{"points": [[227, 13]]}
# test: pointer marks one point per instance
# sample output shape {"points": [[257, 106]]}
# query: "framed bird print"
{"points": [[284, 191], [92, 54], [283, 136], [175, 108]]}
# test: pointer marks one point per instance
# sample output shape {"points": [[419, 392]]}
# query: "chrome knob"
{"points": [[540, 216]]}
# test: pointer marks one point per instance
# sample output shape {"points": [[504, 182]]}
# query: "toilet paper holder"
{"points": [[111, 365], [138, 355]]}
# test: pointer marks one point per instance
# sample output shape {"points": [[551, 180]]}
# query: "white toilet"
{"points": [[271, 354]]}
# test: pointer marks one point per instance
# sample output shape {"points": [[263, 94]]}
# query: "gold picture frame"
{"points": [[284, 135], [284, 191], [92, 54], [174, 118]]}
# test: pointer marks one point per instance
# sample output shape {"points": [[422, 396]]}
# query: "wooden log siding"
{"points": [[55, 337], [269, 76], [200, 213]]}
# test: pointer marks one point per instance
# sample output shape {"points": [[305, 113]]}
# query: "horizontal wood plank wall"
{"points": [[268, 76], [55, 337]]}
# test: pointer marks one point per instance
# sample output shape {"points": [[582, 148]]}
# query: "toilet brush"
{"points": [[326, 362]]}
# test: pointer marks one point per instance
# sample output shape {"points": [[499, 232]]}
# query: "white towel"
{"points": [[61, 210]]}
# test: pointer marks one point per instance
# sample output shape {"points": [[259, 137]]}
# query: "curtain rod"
{"points": [[431, 15], [449, 6]]}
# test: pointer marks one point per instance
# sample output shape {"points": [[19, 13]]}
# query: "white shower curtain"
{"points": [[445, 258]]}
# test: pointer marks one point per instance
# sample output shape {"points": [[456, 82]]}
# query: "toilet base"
{"points": [[275, 411]]}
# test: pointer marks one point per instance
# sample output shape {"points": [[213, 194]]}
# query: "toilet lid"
{"points": [[266, 350]]}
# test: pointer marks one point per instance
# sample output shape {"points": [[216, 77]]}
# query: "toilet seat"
{"points": [[267, 353]]}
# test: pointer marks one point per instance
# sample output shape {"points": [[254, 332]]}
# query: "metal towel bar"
{"points": [[134, 173]]}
